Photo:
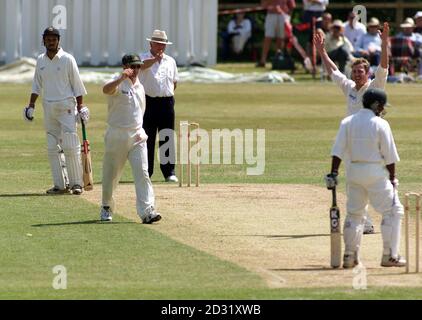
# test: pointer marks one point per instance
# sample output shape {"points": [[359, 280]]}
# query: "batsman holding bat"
{"points": [[366, 139], [57, 77], [125, 139], [354, 89]]}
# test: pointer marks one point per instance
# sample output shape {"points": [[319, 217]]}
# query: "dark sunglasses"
{"points": [[135, 66]]}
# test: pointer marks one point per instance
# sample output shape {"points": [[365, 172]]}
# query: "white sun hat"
{"points": [[159, 36]]}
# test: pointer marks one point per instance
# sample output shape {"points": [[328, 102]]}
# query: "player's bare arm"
{"points": [[384, 45], [32, 100], [335, 164], [147, 63], [79, 103], [319, 42], [392, 172]]}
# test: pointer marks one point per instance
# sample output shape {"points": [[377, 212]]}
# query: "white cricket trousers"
{"points": [[60, 126], [368, 219], [369, 182], [121, 145]]}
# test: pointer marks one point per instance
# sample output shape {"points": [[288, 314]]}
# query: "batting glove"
{"points": [[28, 113], [83, 114], [331, 180]]}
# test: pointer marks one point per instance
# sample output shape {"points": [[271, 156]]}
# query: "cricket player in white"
{"points": [[57, 76], [354, 89], [367, 141], [125, 139]]}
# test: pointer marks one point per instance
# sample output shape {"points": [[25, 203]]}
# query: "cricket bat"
{"points": [[86, 161], [335, 232]]}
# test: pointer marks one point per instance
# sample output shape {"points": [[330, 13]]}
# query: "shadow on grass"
{"points": [[308, 268], [80, 223], [13, 195], [278, 236]]}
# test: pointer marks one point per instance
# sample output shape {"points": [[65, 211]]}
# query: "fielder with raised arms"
{"points": [[354, 89], [57, 76], [367, 141]]}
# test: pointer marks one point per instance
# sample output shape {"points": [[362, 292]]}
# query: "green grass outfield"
{"points": [[126, 260]]}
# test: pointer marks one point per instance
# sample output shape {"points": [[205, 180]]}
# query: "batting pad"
{"points": [[54, 157], [63, 165], [72, 151], [390, 230], [352, 232]]}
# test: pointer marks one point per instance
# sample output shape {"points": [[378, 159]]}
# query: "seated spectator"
{"points": [[327, 20], [418, 20], [408, 27], [369, 45], [411, 43], [353, 30], [338, 47], [239, 30]]}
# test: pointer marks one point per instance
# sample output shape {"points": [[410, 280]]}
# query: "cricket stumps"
{"points": [[407, 218], [185, 139]]}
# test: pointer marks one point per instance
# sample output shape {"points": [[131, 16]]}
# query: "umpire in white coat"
{"points": [[57, 77], [159, 77], [367, 141], [125, 139], [353, 89]]}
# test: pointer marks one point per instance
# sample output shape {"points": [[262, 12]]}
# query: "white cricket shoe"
{"points": [[368, 229], [76, 190], [388, 261], [350, 260], [172, 178], [105, 214], [151, 216]]}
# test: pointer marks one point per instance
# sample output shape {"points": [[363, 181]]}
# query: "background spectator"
{"points": [[327, 20], [414, 41], [239, 31], [277, 14], [313, 8], [353, 30], [338, 47], [418, 20], [408, 27], [369, 44]]}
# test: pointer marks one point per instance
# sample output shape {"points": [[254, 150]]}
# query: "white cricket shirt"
{"points": [[57, 79], [364, 137], [321, 5], [354, 97], [126, 106], [159, 79], [353, 34]]}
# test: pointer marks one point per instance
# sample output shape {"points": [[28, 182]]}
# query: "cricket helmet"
{"points": [[51, 31], [374, 99]]}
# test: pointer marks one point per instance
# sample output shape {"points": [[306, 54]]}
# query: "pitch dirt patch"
{"points": [[280, 232]]}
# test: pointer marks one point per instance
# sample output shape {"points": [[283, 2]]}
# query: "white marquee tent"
{"points": [[99, 32]]}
